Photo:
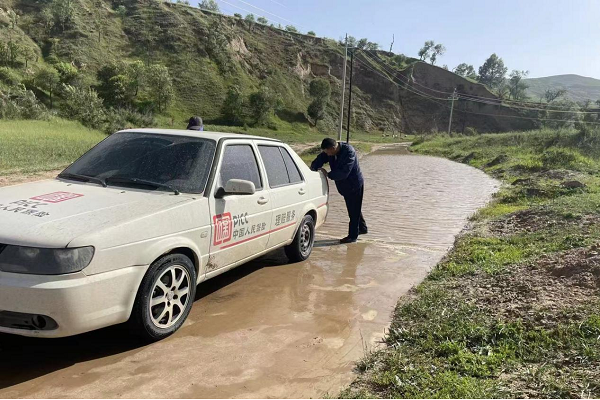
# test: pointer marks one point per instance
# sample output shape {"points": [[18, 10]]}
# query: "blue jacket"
{"points": [[345, 170]]}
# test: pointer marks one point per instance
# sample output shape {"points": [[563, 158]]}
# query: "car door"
{"points": [[240, 223], [288, 192]]}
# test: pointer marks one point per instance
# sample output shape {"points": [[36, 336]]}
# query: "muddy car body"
{"points": [[128, 230]]}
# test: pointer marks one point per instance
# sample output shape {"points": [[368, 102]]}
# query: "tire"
{"points": [[170, 284], [301, 248]]}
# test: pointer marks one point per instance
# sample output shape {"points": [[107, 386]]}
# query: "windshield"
{"points": [[179, 163]]}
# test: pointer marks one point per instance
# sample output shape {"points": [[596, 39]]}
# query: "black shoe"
{"points": [[363, 231], [347, 239]]}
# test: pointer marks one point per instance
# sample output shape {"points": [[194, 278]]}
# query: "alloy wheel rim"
{"points": [[170, 297]]}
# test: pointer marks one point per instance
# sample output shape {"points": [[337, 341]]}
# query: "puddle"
{"points": [[270, 329]]}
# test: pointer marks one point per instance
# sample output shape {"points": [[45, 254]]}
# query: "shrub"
{"points": [[126, 118], [233, 106], [20, 103], [558, 158], [263, 103], [84, 105], [8, 76], [469, 131]]}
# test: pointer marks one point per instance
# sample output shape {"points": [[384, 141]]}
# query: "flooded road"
{"points": [[270, 329]]}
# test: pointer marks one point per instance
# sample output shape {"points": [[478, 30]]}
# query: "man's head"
{"points": [[195, 123], [329, 146]]}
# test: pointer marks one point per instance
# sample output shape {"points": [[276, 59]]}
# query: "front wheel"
{"points": [[301, 247], [165, 297]]}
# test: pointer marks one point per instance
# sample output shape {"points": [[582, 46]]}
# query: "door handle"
{"points": [[302, 192], [262, 201]]}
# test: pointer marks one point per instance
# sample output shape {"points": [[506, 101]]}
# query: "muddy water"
{"points": [[269, 329]]}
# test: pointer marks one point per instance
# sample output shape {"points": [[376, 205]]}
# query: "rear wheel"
{"points": [[301, 247], [165, 297]]}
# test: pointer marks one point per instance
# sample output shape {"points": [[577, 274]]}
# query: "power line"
{"points": [[489, 101], [473, 97], [472, 112], [265, 11]]}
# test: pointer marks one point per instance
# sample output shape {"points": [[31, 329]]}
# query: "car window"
{"points": [[239, 162], [275, 166], [181, 162], [292, 168]]}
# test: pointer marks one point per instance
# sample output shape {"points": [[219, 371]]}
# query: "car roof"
{"points": [[198, 134]]}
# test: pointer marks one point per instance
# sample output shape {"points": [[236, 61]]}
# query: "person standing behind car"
{"points": [[195, 124], [349, 181]]}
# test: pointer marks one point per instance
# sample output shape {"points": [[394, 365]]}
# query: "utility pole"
{"points": [[392, 45], [350, 96], [451, 110], [343, 91]]}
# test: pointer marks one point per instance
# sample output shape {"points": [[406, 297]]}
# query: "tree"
{"points": [[320, 91], [14, 50], [425, 51], [291, 28], [135, 72], [362, 43], [210, 5], [517, 87], [238, 15], [121, 11], [351, 41], [263, 103], [250, 18], [262, 20], [311, 33], [233, 106], [67, 72], [552, 94], [62, 12], [13, 17], [493, 71], [48, 80], [160, 84], [372, 46], [465, 70], [438, 50]]}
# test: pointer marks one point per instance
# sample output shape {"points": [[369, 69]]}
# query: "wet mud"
{"points": [[269, 328]]}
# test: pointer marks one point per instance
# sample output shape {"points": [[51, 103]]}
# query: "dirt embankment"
{"points": [[15, 179]]}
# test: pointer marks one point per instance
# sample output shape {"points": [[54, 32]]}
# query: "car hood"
{"points": [[52, 213]]}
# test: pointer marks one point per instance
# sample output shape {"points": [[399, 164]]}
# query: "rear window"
{"points": [[281, 169]]}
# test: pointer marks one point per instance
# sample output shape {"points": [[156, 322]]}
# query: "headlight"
{"points": [[31, 260]]}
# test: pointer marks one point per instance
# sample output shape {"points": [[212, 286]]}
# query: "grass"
{"points": [[34, 146], [513, 309]]}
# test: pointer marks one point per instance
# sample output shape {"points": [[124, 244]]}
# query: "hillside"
{"points": [[208, 54], [579, 88]]}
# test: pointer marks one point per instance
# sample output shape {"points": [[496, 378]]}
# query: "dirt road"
{"points": [[269, 329]]}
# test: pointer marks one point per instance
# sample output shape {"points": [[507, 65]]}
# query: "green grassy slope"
{"points": [[513, 310]]}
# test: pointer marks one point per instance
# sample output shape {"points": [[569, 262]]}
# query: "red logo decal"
{"points": [[57, 197], [223, 228]]}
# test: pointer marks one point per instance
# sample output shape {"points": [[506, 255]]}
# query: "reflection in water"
{"points": [[414, 200], [270, 328]]}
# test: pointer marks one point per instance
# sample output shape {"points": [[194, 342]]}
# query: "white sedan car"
{"points": [[127, 231]]}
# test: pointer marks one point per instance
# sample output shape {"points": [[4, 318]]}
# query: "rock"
{"points": [[498, 160], [572, 185]]}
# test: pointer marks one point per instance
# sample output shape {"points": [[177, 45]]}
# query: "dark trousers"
{"points": [[354, 206]]}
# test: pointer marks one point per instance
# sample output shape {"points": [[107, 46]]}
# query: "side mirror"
{"points": [[236, 186]]}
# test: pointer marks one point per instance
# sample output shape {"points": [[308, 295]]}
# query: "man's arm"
{"points": [[321, 160], [343, 166]]}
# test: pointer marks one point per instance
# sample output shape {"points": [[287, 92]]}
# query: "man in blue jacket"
{"points": [[349, 181]]}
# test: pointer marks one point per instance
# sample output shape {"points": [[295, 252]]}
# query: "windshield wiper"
{"points": [[85, 178], [142, 182]]}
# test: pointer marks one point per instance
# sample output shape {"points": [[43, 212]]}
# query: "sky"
{"points": [[543, 37]]}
